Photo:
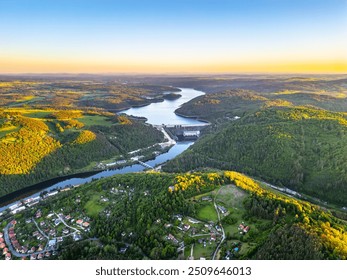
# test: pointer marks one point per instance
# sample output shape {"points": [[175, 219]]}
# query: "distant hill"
{"points": [[40, 144], [298, 147]]}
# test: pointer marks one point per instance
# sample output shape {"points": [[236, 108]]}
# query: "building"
{"points": [[8, 256], [85, 224], [222, 209], [186, 227]]}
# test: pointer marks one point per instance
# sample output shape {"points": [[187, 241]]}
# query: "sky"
{"points": [[176, 36]]}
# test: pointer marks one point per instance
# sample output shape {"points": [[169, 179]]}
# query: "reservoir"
{"points": [[156, 114]]}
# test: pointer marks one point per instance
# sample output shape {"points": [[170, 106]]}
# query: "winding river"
{"points": [[156, 114]]}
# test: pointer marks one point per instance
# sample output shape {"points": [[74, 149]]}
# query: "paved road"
{"points": [[40, 230], [223, 236], [10, 247]]}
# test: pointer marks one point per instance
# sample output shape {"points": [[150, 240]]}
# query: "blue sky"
{"points": [[169, 36]]}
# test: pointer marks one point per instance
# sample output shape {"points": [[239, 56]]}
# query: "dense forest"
{"points": [[297, 147], [36, 145]]}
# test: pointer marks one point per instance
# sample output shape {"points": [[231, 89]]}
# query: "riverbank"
{"points": [[163, 111]]}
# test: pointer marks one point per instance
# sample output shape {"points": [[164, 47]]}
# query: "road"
{"points": [[62, 220], [223, 235], [10, 247]]}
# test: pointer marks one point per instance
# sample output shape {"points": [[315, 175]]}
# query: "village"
{"points": [[35, 231], [205, 234], [39, 237]]}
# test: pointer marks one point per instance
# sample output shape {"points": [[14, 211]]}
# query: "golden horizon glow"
{"points": [[17, 66]]}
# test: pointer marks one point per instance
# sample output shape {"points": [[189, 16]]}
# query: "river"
{"points": [[156, 114]]}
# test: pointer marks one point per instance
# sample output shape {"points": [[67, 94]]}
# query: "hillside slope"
{"points": [[301, 148]]}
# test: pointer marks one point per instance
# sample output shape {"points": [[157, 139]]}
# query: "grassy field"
{"points": [[207, 212], [93, 207], [231, 196], [89, 120]]}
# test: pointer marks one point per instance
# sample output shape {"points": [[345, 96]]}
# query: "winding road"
{"points": [[223, 236]]}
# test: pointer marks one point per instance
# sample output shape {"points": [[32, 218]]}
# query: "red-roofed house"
{"points": [[1, 240], [79, 222], [2, 245], [5, 251], [246, 229], [8, 256], [85, 224]]}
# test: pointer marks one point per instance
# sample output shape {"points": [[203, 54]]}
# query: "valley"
{"points": [[111, 164]]}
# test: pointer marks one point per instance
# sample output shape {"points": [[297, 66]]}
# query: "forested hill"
{"points": [[40, 144], [298, 147]]}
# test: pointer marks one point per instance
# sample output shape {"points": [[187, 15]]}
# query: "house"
{"points": [[2, 245], [4, 251], [65, 231], [1, 234], [8, 256], [40, 256], [68, 218], [60, 239], [246, 229], [42, 223], [40, 247], [76, 237], [2, 240], [218, 228], [222, 209], [193, 221], [186, 227], [178, 217], [57, 222], [172, 238], [123, 250], [167, 225], [47, 254], [213, 237], [85, 224], [24, 250], [79, 222], [171, 188], [33, 257], [52, 242]]}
